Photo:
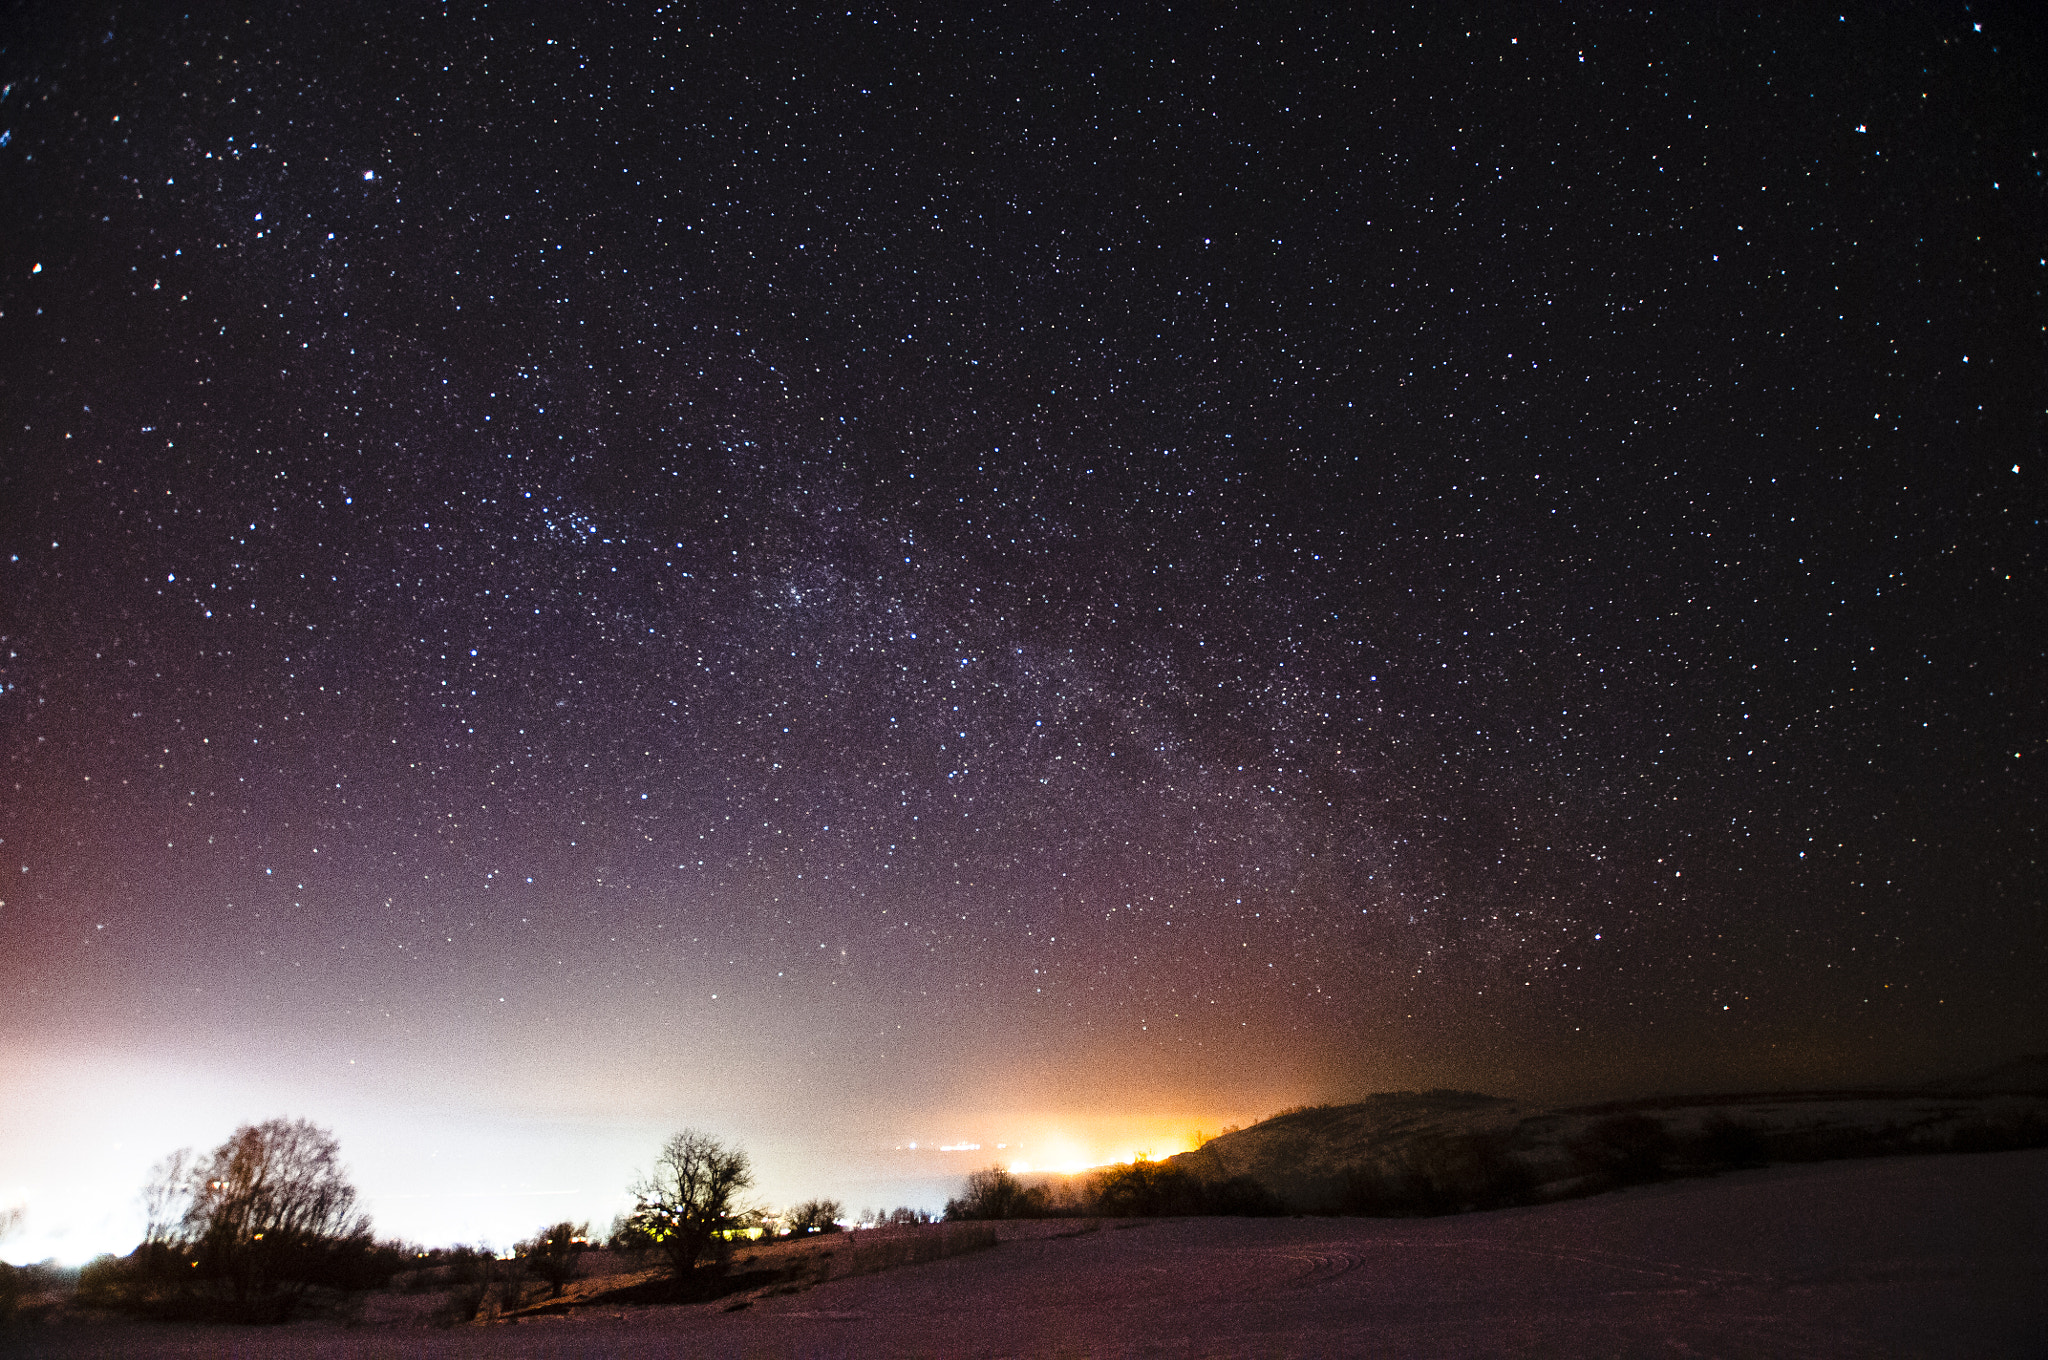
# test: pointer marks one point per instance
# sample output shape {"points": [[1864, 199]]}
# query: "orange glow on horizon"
{"points": [[1065, 1143], [1069, 1145]]}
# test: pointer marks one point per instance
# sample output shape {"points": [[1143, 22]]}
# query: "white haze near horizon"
{"points": [[79, 1135]]}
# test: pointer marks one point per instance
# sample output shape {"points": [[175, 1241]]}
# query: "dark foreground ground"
{"points": [[1909, 1256]]}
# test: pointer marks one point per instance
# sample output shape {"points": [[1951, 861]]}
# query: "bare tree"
{"points": [[994, 1193], [627, 1234], [14, 1280], [551, 1255], [813, 1216], [166, 1196], [691, 1198], [261, 1212]]}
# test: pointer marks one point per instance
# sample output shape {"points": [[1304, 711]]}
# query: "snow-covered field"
{"points": [[1937, 1255]]}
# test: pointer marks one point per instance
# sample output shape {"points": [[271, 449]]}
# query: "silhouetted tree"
{"points": [[813, 1216], [691, 1198], [995, 1193], [166, 1195], [628, 1234], [1145, 1189], [13, 1281], [552, 1254], [258, 1221], [1148, 1189]]}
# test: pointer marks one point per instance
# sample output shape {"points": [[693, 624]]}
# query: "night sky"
{"points": [[1046, 576]]}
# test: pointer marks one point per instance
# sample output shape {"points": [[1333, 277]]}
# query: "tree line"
{"points": [[269, 1219], [1140, 1189]]}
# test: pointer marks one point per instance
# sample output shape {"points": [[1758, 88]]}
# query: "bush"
{"points": [[813, 1216], [244, 1232], [1145, 1190], [356, 1264], [13, 1282], [553, 1254], [107, 1282], [468, 1265], [994, 1193], [629, 1235], [33, 1291], [463, 1303]]}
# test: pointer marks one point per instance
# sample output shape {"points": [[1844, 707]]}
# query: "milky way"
{"points": [[736, 566]]}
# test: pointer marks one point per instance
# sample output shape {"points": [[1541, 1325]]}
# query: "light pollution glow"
{"points": [[89, 1132], [770, 634]]}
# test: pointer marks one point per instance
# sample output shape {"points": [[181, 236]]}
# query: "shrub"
{"points": [[245, 1231], [1145, 1190], [1142, 1189], [813, 1216], [356, 1264], [553, 1254], [628, 1235], [463, 1303], [106, 1282], [994, 1193], [13, 1282], [1161, 1189]]}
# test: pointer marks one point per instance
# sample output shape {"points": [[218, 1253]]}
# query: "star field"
{"points": [[769, 565]]}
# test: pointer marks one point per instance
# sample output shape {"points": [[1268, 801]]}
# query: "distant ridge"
{"points": [[1442, 1150], [1304, 1155], [2025, 1075]]}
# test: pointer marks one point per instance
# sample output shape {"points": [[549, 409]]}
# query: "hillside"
{"points": [[1304, 1156], [1933, 1256], [1434, 1151]]}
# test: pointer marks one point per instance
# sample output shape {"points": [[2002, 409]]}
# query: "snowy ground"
{"points": [[1905, 1256]]}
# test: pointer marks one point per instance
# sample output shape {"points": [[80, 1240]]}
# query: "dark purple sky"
{"points": [[845, 578]]}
